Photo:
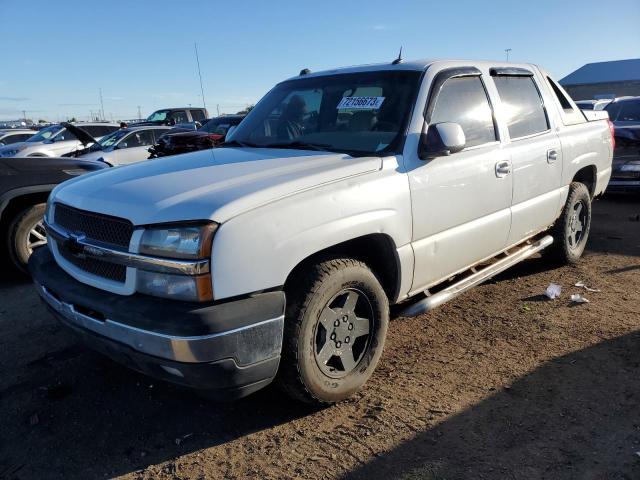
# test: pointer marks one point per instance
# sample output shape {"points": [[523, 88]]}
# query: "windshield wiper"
{"points": [[237, 143]]}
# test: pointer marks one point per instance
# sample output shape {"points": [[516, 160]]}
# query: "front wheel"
{"points": [[571, 230], [26, 233], [335, 328]]}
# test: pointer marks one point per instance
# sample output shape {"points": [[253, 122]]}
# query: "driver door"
{"points": [[461, 203]]}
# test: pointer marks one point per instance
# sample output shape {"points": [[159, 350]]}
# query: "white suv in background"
{"points": [[124, 146], [57, 140]]}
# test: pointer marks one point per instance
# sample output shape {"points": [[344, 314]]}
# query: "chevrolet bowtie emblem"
{"points": [[73, 245]]}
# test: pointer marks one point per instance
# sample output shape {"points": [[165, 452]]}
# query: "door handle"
{"points": [[552, 156], [503, 169]]}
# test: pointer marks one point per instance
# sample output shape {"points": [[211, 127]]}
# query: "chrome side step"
{"points": [[477, 275]]}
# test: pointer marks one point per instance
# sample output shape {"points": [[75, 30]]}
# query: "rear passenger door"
{"points": [[461, 206], [535, 151]]}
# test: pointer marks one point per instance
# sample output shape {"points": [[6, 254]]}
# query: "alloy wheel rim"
{"points": [[343, 332], [36, 236], [577, 224]]}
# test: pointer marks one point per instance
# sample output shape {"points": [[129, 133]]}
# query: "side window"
{"points": [[198, 116], [138, 138], [65, 135], [180, 116], [464, 101], [522, 105]]}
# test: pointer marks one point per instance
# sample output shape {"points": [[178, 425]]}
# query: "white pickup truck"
{"points": [[343, 192]]}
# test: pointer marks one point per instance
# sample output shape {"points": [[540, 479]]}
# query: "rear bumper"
{"points": [[231, 348], [623, 185]]}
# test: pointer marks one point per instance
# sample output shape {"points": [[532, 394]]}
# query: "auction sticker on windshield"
{"points": [[363, 103]]}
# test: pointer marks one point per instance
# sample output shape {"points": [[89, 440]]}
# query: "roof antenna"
{"points": [[399, 59]]}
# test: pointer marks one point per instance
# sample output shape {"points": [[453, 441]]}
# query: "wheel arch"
{"points": [[588, 175], [16, 200], [376, 250]]}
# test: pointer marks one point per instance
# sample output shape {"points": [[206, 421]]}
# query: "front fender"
{"points": [[258, 249]]}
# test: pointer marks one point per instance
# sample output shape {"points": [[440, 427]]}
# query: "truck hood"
{"points": [[215, 184]]}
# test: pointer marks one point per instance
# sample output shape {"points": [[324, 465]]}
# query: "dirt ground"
{"points": [[499, 383]]}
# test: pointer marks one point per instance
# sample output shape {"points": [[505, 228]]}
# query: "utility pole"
{"points": [[507, 51], [139, 114], [218, 109], [200, 75], [101, 105], [24, 116]]}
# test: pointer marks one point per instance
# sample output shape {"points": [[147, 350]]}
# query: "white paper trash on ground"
{"points": [[588, 289], [577, 298], [553, 291]]}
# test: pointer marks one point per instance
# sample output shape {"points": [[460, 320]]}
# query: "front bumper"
{"points": [[231, 348]]}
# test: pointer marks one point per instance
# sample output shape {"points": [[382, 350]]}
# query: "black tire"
{"points": [[330, 286], [571, 230], [20, 232]]}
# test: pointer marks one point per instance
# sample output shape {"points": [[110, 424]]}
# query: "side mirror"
{"points": [[441, 139]]}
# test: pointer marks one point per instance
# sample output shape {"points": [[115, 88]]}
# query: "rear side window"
{"points": [[564, 101], [464, 101], [522, 105]]}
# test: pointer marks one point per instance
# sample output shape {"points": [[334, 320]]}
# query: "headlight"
{"points": [[185, 242], [10, 153], [48, 212]]}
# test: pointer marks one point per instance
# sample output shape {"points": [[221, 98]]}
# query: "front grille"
{"points": [[105, 229], [95, 226], [100, 268]]}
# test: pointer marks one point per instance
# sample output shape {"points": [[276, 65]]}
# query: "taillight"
{"points": [[612, 129]]}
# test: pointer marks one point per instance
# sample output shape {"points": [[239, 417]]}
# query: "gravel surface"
{"points": [[499, 383]]}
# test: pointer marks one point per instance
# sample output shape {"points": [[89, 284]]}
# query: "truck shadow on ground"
{"points": [[86, 417], [588, 428]]}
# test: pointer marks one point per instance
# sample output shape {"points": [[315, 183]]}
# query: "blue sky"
{"points": [[56, 55]]}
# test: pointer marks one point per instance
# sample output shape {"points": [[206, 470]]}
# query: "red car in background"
{"points": [[209, 135]]}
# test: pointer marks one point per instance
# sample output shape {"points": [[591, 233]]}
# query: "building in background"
{"points": [[617, 78]]}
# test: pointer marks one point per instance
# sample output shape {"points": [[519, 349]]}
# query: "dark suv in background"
{"points": [[176, 116], [625, 115]]}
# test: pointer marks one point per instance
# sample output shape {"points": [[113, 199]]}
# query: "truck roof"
{"points": [[413, 65]]}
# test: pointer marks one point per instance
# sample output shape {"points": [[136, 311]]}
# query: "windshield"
{"points": [[46, 133], [357, 113], [159, 116]]}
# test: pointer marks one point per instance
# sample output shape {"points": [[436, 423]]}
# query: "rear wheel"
{"points": [[571, 230], [335, 328], [26, 233]]}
